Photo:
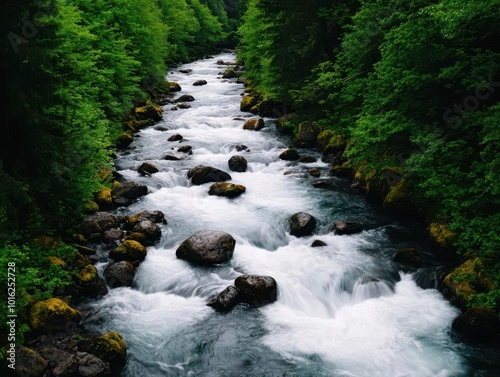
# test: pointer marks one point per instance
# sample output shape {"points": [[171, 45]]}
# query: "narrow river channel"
{"points": [[344, 309]]}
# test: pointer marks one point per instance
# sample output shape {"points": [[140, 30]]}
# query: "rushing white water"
{"points": [[342, 310]]}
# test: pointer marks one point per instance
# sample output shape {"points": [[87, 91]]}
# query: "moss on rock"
{"points": [[130, 250], [109, 347], [52, 315]]}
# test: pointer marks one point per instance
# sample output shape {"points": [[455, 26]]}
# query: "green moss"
{"points": [[51, 313]]}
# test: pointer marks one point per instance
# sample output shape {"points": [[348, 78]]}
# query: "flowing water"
{"points": [[343, 310]]}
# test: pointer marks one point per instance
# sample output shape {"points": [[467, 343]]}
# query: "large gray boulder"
{"points": [[301, 224], [98, 222], [125, 193], [204, 174], [207, 247], [120, 274], [238, 164], [257, 290]]}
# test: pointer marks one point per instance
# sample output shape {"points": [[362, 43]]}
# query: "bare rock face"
{"points": [[207, 247], [204, 174], [257, 290], [301, 224]]}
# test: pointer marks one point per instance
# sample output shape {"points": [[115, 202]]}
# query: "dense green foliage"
{"points": [[413, 85]]}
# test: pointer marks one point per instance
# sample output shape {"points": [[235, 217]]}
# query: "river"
{"points": [[343, 310]]}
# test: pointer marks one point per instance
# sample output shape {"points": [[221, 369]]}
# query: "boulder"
{"points": [[314, 172], [301, 224], [307, 134], [152, 112], [175, 137], [185, 98], [247, 102], [227, 189], [238, 164], [207, 247], [151, 231], [400, 201], [174, 108], [318, 243], [29, 363], [283, 124], [90, 283], [254, 124], [345, 227], [91, 366], [204, 174], [174, 87], [52, 315], [200, 83], [103, 199], [147, 169], [409, 256], [155, 216], [125, 193], [183, 105], [120, 274], [229, 74], [290, 154], [257, 290], [61, 363], [225, 300], [175, 156], [477, 324], [342, 171], [241, 148], [98, 222], [322, 183], [187, 149], [110, 348], [129, 250], [85, 250], [188, 70], [112, 235], [124, 140], [272, 109]]}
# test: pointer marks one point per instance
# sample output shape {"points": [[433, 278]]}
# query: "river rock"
{"points": [[257, 290], [90, 283], [229, 74], [345, 227], [110, 348], [98, 222], [314, 172], [129, 250], [409, 256], [29, 363], [125, 193], [184, 105], [187, 149], [241, 148], [247, 102], [318, 243], [185, 98], [52, 315], [254, 124], [87, 251], [151, 231], [176, 137], [477, 324], [175, 157], [149, 112], [187, 70], [147, 169], [124, 140], [205, 174], [238, 164], [174, 87], [282, 124], [307, 135], [155, 216], [61, 363], [91, 366], [225, 300], [120, 274], [322, 183], [200, 83], [227, 189], [301, 224], [207, 247], [290, 154]]}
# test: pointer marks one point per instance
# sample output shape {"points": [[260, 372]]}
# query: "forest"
{"points": [[405, 96]]}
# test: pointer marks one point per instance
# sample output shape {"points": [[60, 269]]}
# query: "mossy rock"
{"points": [[247, 102], [285, 123], [342, 171], [442, 237], [227, 189], [48, 242], [130, 250], [104, 199], [148, 112], [90, 283], [465, 281], [52, 315], [57, 261], [255, 109], [109, 347], [91, 207], [401, 202], [477, 324], [124, 140], [307, 135], [174, 87], [30, 363]]}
